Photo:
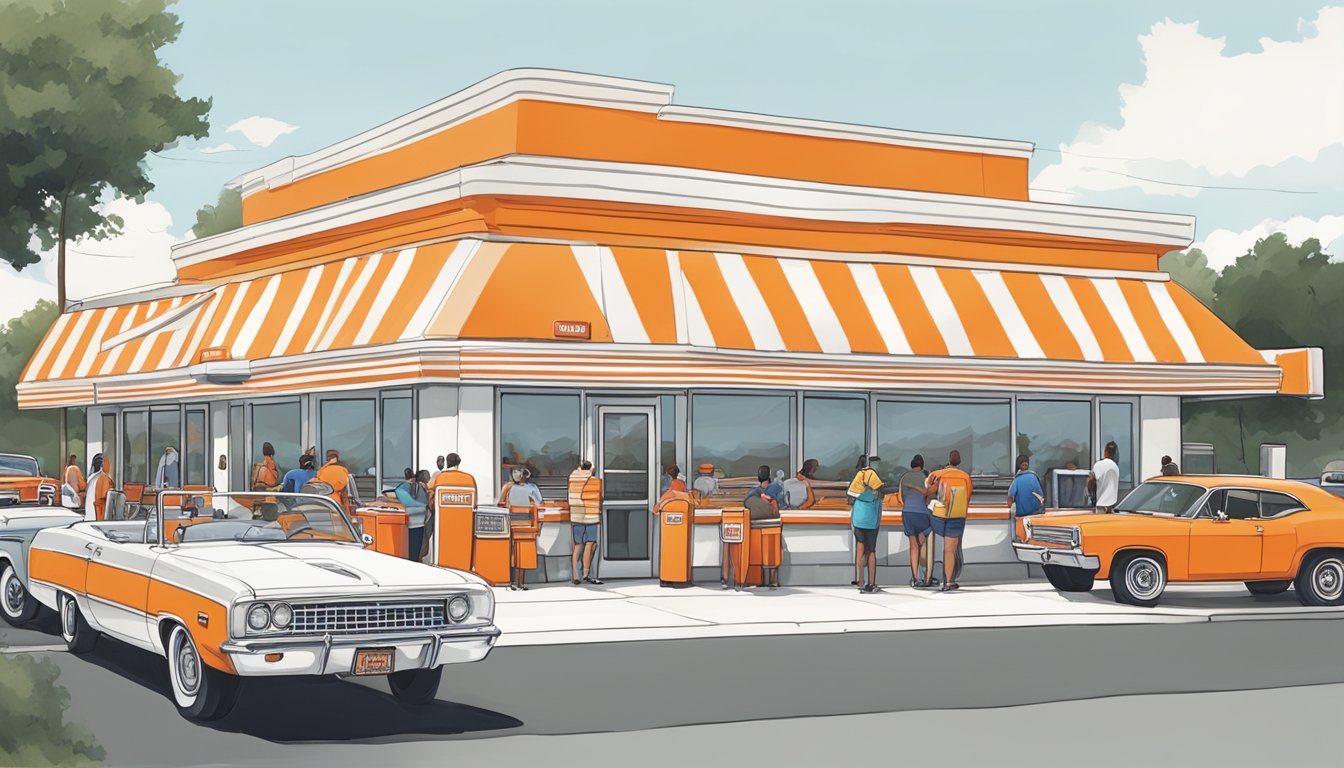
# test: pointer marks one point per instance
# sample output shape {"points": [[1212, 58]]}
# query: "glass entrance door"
{"points": [[625, 462]]}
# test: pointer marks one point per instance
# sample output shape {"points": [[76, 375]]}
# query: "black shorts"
{"points": [[867, 537]]}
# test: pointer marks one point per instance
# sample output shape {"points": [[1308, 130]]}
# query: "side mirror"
{"points": [[1220, 516], [367, 539]]}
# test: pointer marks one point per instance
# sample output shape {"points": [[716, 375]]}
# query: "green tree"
{"points": [[32, 432], [33, 730], [83, 99], [1191, 269], [226, 214]]}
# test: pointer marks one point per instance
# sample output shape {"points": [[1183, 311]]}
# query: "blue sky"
{"points": [[1048, 72]]}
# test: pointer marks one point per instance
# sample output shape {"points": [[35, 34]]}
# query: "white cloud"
{"points": [[1204, 117], [262, 131], [1223, 246], [225, 147], [21, 290]]}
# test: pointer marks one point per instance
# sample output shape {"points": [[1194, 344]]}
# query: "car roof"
{"points": [[1257, 482], [19, 456]]}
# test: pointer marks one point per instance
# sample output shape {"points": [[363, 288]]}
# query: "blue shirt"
{"points": [[412, 497], [1024, 485], [295, 479], [914, 502]]}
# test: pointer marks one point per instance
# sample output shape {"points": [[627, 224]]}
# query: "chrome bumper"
{"points": [[335, 655], [1038, 555]]}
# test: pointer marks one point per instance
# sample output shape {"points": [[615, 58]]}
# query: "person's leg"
{"points": [[576, 551], [914, 558], [950, 559], [588, 550], [872, 567], [858, 563]]}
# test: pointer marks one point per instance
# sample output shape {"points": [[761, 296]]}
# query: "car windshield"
{"points": [[17, 466], [1159, 498], [252, 518]]}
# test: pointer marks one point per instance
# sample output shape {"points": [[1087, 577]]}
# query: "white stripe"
{"points": [[95, 344], [110, 364], [618, 306], [180, 328], [1175, 322], [879, 308], [227, 324], [202, 326], [146, 344], [816, 307], [1074, 319], [242, 343], [678, 295], [67, 349], [943, 311], [356, 291], [697, 327], [385, 294], [1114, 300], [444, 282], [296, 312], [329, 306], [44, 351], [590, 264], [1010, 315], [750, 303]]}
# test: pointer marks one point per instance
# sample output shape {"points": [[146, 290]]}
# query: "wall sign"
{"points": [[212, 354], [731, 533], [573, 329]]}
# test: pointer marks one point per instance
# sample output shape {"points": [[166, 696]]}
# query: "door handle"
{"points": [[1259, 529]]}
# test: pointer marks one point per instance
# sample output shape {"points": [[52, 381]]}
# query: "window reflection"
{"points": [[281, 425], [348, 426], [165, 430], [1117, 423], [135, 440], [1055, 435], [237, 449], [398, 444], [738, 433], [979, 430], [835, 432], [195, 451], [539, 432]]}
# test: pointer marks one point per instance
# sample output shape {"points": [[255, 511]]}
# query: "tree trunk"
{"points": [[63, 448], [60, 308]]}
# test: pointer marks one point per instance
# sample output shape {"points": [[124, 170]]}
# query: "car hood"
{"points": [[10, 481], [315, 568], [1092, 521]]}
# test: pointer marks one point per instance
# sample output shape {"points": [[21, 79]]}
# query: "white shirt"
{"points": [[1107, 473]]}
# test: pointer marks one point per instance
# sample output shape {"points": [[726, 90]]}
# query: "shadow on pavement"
{"points": [[303, 709]]}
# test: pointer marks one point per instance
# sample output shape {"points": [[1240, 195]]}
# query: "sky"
{"points": [[1229, 111]]}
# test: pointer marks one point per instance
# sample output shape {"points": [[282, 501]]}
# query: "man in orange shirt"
{"points": [[333, 473], [452, 477], [74, 478], [950, 528]]}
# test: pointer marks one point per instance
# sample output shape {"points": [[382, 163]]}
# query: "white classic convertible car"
{"points": [[230, 585]]}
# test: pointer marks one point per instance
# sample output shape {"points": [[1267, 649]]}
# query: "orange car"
{"points": [[21, 482], [1270, 534]]}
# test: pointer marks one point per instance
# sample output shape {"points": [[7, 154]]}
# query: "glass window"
{"points": [[979, 430], [1055, 435], [738, 433], [835, 432], [348, 427], [237, 450], [165, 431], [195, 452], [1162, 498], [281, 425], [398, 445], [539, 432], [667, 450], [76, 436], [135, 441], [1117, 423], [1237, 505], [109, 448], [1275, 504]]}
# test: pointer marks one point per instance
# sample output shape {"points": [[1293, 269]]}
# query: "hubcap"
{"points": [[1329, 579], [68, 618], [1144, 578], [13, 593], [188, 666]]}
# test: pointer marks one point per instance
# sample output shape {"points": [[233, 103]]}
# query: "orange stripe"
{"points": [[118, 585], [283, 306], [843, 292], [104, 363], [83, 343], [58, 568], [131, 349], [363, 303], [1045, 321], [1218, 343], [1112, 342], [312, 313], [225, 299], [166, 599], [920, 329], [531, 288], [649, 281], [716, 302], [428, 262], [986, 334], [1160, 341], [783, 304], [56, 346], [357, 268]]}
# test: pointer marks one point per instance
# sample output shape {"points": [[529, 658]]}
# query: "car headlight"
{"points": [[459, 608], [258, 617], [281, 616]]}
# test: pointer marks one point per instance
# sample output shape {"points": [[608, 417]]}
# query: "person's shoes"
{"points": [[871, 588], [513, 587], [723, 584], [523, 587], [595, 582], [951, 586], [575, 581], [916, 584], [854, 583]]}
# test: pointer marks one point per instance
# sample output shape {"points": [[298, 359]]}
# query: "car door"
{"points": [[118, 587], [1228, 545], [1279, 519]]}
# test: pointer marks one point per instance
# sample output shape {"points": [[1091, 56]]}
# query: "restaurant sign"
{"points": [[573, 329], [214, 354], [731, 533]]}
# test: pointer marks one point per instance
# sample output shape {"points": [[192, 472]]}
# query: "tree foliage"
{"points": [[32, 432], [33, 730], [1191, 269], [83, 99], [226, 214]]}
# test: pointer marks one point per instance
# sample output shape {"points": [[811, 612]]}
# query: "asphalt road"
{"points": [[1018, 696]]}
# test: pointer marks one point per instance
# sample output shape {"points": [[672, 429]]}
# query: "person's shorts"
{"points": [[584, 533], [916, 523], [949, 527], [867, 537]]}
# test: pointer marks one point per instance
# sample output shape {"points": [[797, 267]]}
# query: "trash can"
{"points": [[676, 536], [525, 527], [388, 524], [734, 533], [451, 543], [491, 545], [766, 550]]}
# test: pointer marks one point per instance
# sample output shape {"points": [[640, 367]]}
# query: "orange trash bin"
{"points": [[491, 547], [389, 525], [676, 536], [453, 523], [735, 535]]}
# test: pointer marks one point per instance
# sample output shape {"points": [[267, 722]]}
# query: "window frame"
{"points": [[795, 426], [924, 399]]}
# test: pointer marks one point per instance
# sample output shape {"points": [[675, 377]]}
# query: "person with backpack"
{"points": [[295, 479], [798, 489], [762, 503], [953, 488], [1025, 496], [865, 495]]}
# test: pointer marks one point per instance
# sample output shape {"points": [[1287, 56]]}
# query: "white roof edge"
{"points": [[137, 295], [851, 131]]}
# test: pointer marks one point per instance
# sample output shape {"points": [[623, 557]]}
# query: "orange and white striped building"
{"points": [[551, 265]]}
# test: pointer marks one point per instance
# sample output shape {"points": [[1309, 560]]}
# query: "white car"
{"points": [[18, 526], [231, 585]]}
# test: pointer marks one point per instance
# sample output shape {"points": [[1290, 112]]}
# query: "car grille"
{"points": [[1053, 534], [339, 618]]}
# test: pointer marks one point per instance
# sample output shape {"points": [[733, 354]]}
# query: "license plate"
{"points": [[373, 661]]}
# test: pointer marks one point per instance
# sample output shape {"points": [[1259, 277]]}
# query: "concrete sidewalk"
{"points": [[625, 611]]}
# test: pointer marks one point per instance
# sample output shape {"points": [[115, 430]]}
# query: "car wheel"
{"points": [[16, 605], [1321, 580], [1268, 587], [415, 686], [1068, 579], [200, 692], [1138, 579], [78, 635]]}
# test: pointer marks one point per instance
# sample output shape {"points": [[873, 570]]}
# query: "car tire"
{"points": [[1138, 578], [1068, 579], [16, 605], [200, 692], [1320, 582], [79, 637], [415, 686], [1268, 587]]}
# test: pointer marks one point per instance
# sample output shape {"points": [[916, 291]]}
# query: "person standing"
{"points": [[585, 514], [522, 494], [100, 482], [72, 489], [865, 517], [167, 475], [915, 519], [1025, 496], [265, 473], [334, 474], [1105, 479], [672, 480], [798, 489], [1170, 467], [440, 462], [953, 487], [295, 479], [450, 476], [414, 498]]}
